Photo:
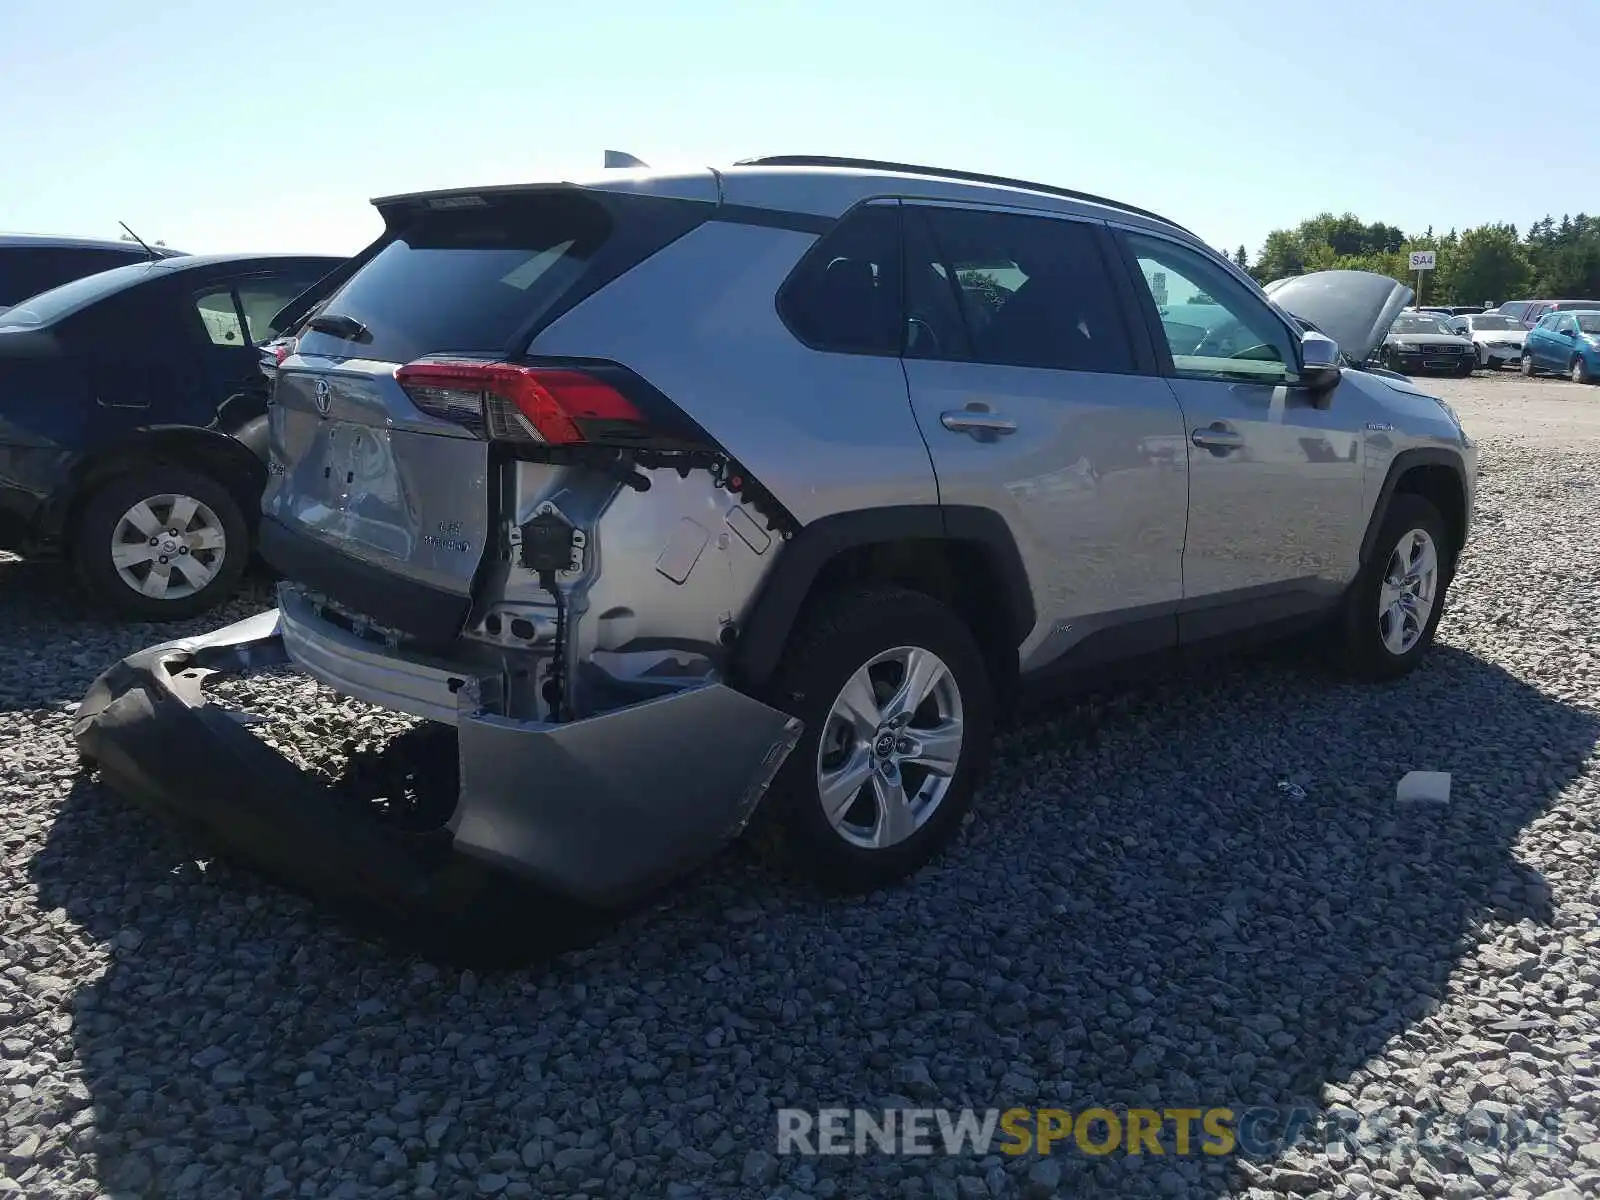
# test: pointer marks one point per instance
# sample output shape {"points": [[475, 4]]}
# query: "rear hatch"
{"points": [[379, 497]]}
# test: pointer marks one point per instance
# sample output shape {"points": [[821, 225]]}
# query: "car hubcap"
{"points": [[168, 547], [890, 747], [1410, 582]]}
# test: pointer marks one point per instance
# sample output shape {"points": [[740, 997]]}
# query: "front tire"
{"points": [[899, 714], [1578, 372], [160, 543], [1393, 608]]}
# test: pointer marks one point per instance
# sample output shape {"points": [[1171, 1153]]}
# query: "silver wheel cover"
{"points": [[890, 747], [1408, 592], [168, 547]]}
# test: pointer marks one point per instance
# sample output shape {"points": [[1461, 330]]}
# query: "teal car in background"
{"points": [[1567, 343]]}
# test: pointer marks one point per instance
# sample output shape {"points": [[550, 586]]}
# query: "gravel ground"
{"points": [[1141, 915]]}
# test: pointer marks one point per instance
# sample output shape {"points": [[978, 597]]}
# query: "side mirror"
{"points": [[1320, 361]]}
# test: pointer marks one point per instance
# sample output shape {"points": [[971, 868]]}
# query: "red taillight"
{"points": [[544, 404]]}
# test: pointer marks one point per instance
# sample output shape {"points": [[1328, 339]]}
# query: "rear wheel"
{"points": [[160, 543], [898, 716], [1526, 366], [1394, 606]]}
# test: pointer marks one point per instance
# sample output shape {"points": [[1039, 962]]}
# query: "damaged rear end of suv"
{"points": [[669, 504], [540, 551]]}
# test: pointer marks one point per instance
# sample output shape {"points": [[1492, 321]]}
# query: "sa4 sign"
{"points": [[1421, 260]]}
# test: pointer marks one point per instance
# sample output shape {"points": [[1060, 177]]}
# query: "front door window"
{"points": [[1214, 328]]}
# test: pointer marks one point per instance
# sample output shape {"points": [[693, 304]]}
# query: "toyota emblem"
{"points": [[323, 395]]}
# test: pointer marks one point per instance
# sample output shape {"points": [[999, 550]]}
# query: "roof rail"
{"points": [[873, 164]]}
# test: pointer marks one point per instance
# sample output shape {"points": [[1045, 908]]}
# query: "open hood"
{"points": [[1354, 308]]}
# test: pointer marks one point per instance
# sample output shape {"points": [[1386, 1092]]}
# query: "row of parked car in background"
{"points": [[1538, 336]]}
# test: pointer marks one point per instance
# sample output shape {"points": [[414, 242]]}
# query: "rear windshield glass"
{"points": [[1570, 305], [467, 278], [1495, 321], [1419, 323], [49, 307]]}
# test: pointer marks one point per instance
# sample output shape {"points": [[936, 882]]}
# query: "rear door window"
{"points": [[466, 279], [1031, 291], [844, 296], [220, 317]]}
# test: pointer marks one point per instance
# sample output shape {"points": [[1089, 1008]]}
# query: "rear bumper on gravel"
{"points": [[598, 811]]}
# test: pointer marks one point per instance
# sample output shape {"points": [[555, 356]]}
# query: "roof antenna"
{"points": [[154, 257], [614, 158]]}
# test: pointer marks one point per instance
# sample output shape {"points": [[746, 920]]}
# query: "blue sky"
{"points": [[269, 127]]}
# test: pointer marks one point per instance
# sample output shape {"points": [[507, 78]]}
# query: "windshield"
{"points": [[1493, 321], [1420, 323], [1589, 322], [48, 307]]}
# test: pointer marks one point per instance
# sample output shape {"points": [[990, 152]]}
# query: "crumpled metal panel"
{"points": [[596, 811]]}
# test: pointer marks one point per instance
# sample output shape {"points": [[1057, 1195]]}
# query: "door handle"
{"points": [[1217, 438], [976, 421]]}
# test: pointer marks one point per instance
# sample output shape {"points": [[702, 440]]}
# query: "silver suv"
{"points": [[664, 488]]}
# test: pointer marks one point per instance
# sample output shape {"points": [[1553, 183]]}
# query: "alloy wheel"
{"points": [[890, 747], [1409, 590], [168, 547]]}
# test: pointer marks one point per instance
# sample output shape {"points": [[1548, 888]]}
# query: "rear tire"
{"points": [[842, 675], [181, 527], [1526, 367], [1393, 608]]}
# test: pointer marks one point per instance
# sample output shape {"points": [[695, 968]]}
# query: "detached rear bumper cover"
{"points": [[599, 810]]}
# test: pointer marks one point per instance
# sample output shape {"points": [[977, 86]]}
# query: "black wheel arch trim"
{"points": [[778, 604], [1407, 460]]}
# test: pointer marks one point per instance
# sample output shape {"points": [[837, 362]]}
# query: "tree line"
{"points": [[1554, 259]]}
